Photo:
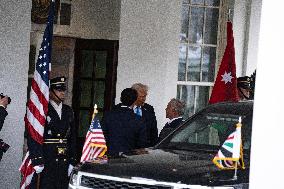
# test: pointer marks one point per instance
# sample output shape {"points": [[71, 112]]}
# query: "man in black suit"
{"points": [[123, 130], [146, 111], [174, 111], [3, 113]]}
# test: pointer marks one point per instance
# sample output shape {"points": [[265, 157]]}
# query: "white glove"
{"points": [[70, 168], [38, 168]]}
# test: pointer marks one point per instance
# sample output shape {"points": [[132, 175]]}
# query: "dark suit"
{"points": [[149, 117], [123, 130], [58, 150], [169, 127], [3, 114]]}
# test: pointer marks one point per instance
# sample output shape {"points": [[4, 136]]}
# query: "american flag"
{"points": [[37, 106], [95, 144]]}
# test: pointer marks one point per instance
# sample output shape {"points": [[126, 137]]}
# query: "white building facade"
{"points": [[148, 33]]}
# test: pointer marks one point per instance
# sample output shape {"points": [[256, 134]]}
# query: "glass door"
{"points": [[94, 81]]}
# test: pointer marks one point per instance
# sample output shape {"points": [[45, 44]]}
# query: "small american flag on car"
{"points": [[95, 144]]}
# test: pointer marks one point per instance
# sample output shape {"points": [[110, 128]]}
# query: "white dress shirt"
{"points": [[58, 108]]}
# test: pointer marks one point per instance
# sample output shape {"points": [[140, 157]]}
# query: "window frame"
{"points": [[220, 48]]}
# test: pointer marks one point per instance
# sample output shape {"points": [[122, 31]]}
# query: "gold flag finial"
{"points": [[95, 111], [239, 124]]}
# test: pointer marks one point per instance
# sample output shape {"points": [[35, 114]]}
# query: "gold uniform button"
{"points": [[58, 135], [56, 159]]}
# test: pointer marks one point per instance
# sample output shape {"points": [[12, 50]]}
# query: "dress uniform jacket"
{"points": [[124, 130], [169, 127], [58, 150]]}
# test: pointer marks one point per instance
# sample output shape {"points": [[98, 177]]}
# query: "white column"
{"points": [[148, 50], [240, 27], [246, 33], [253, 36], [267, 152], [15, 22]]}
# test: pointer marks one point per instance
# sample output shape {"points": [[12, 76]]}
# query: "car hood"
{"points": [[185, 167]]}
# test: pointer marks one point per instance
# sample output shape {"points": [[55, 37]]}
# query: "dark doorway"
{"points": [[94, 82]]}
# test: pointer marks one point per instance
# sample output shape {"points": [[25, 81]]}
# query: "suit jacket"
{"points": [[3, 114], [149, 117], [123, 130], [169, 127]]}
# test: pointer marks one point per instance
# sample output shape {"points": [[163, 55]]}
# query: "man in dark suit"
{"points": [[123, 130], [174, 111], [3, 113], [146, 111], [55, 159]]}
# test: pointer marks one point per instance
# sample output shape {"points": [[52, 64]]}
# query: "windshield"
{"points": [[209, 130]]}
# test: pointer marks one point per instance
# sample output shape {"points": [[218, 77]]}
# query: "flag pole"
{"points": [[236, 170], [94, 113], [38, 181], [229, 15], [236, 162]]}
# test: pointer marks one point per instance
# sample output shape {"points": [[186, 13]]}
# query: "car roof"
{"points": [[238, 108]]}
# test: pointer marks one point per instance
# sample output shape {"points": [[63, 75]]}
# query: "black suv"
{"points": [[182, 160]]}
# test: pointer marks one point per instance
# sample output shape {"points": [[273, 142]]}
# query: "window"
{"points": [[199, 49], [212, 129]]}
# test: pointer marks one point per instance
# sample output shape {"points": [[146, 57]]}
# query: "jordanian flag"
{"points": [[231, 152]]}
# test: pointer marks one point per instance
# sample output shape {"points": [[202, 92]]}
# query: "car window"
{"points": [[211, 129]]}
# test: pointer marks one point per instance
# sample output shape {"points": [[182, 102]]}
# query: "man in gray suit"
{"points": [[174, 111]]}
